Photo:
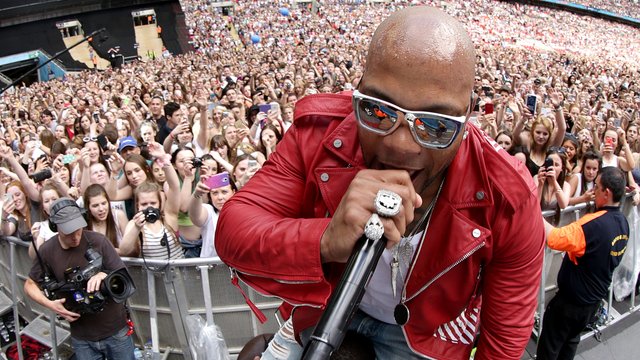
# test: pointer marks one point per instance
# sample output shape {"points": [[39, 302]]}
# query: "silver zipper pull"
{"points": [[394, 274]]}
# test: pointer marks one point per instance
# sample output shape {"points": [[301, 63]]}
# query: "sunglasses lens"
{"points": [[435, 131], [376, 116], [430, 130]]}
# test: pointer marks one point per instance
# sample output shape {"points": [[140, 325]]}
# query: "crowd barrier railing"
{"points": [[160, 306], [164, 299]]}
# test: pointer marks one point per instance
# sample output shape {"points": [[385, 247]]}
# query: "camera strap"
{"points": [[46, 269], [164, 241]]}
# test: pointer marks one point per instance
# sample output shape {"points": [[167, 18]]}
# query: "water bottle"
{"points": [[46, 356], [137, 354], [148, 351]]}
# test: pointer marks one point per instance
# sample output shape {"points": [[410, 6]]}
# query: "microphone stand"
{"points": [[57, 55], [332, 327]]}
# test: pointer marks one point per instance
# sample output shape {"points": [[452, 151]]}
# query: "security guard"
{"points": [[594, 245]]}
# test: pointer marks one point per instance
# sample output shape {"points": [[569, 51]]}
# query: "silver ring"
{"points": [[374, 229], [387, 203]]}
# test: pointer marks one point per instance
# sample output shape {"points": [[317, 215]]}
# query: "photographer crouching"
{"points": [[78, 274]]}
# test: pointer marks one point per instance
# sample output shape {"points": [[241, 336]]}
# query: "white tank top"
{"points": [[378, 300]]}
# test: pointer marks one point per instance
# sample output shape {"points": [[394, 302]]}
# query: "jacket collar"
{"points": [[343, 142], [467, 184]]}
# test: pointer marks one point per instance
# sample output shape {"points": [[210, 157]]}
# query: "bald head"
{"points": [[423, 39]]}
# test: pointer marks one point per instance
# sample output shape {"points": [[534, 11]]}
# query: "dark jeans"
{"points": [[116, 347], [191, 249], [561, 328]]}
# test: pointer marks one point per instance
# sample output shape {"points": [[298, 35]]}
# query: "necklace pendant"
{"points": [[394, 275], [401, 314]]}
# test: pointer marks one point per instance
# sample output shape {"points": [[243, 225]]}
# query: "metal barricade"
{"points": [[161, 304], [186, 287]]}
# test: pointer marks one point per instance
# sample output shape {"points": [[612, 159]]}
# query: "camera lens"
{"points": [[151, 214]]}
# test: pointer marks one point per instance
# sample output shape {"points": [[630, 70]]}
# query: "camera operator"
{"points": [[96, 333]]}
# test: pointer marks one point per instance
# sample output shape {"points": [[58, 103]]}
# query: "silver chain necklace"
{"points": [[403, 251]]}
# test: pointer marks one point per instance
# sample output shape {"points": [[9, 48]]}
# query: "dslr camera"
{"points": [[197, 162], [151, 214], [117, 286]]}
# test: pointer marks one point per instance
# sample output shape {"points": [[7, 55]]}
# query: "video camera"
{"points": [[117, 286]]}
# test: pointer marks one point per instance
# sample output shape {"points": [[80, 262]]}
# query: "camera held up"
{"points": [[117, 286]]}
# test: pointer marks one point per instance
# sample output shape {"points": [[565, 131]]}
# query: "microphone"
{"points": [[343, 304]]}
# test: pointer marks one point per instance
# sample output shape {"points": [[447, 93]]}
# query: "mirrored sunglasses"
{"points": [[430, 130]]}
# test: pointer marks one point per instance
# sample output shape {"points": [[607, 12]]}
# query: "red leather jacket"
{"points": [[480, 262]]}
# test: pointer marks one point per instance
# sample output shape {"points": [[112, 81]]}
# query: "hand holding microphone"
{"points": [[388, 214]]}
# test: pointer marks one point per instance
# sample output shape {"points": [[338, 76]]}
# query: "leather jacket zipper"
{"points": [[234, 275], [439, 275]]}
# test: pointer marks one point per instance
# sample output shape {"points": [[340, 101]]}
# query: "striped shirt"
{"points": [[154, 248]]}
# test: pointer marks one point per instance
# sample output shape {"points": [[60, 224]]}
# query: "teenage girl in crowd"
{"points": [[190, 235], [553, 190], [582, 183], [570, 145], [614, 142], [543, 135], [218, 189], [155, 223], [40, 230], [101, 217]]}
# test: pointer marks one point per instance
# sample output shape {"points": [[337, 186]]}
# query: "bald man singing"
{"points": [[396, 157]]}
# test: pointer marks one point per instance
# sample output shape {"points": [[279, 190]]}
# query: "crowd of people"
{"points": [[152, 151], [143, 135], [629, 8]]}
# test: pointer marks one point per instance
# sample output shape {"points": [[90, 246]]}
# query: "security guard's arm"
{"points": [[569, 238]]}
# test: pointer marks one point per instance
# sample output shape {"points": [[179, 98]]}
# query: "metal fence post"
{"points": [[14, 297]]}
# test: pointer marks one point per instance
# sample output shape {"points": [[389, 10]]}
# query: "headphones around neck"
{"points": [[53, 213]]}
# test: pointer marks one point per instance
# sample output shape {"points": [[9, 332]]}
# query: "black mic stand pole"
{"points": [[343, 304], [57, 55]]}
